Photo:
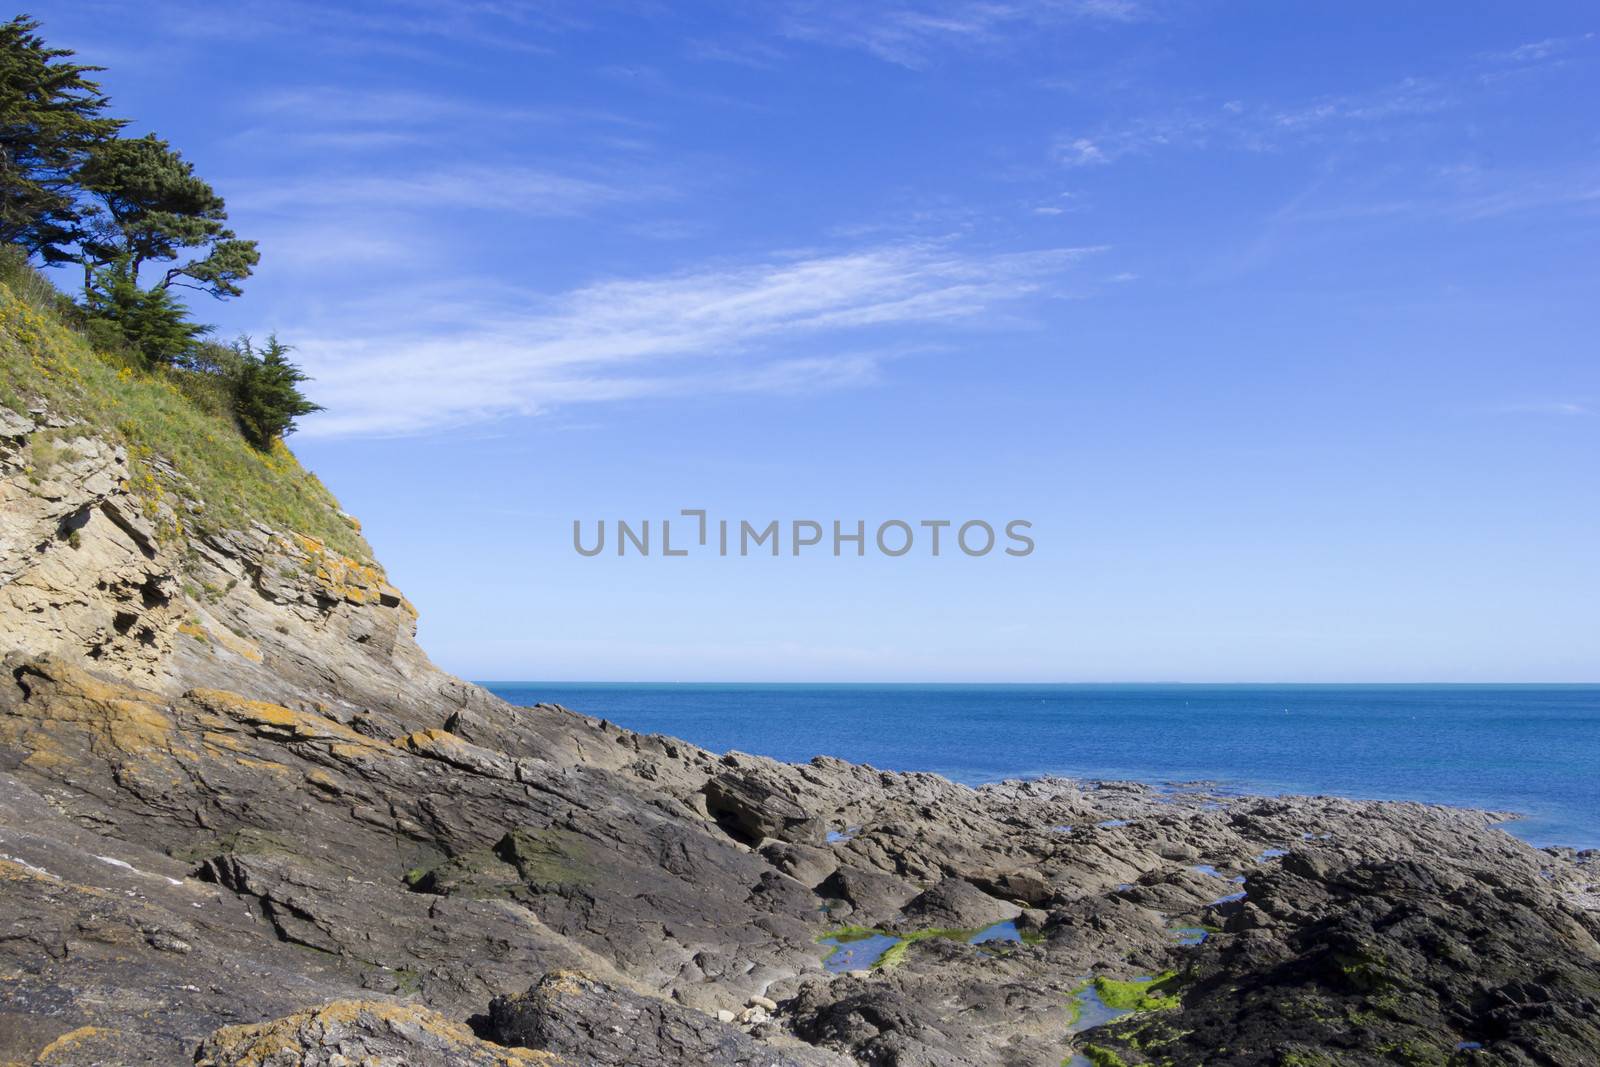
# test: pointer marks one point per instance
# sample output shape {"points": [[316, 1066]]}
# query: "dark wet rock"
{"points": [[874, 895], [807, 865], [350, 1032], [1028, 888], [753, 808], [956, 904], [1352, 959], [594, 1023], [875, 1024]]}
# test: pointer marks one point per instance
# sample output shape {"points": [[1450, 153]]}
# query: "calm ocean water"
{"points": [[1530, 749]]}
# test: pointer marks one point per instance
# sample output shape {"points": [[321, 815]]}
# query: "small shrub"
{"points": [[266, 392]]}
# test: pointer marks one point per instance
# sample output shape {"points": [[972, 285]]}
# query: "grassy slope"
{"points": [[178, 416]]}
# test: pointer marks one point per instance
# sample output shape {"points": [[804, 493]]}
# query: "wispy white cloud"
{"points": [[339, 105], [1407, 97], [909, 34], [334, 105], [395, 27], [343, 123], [1542, 50], [1403, 108], [1552, 407], [338, 245], [355, 195], [1476, 197], [1460, 193], [1255, 127], [521, 191], [749, 52], [754, 327], [1080, 152]]}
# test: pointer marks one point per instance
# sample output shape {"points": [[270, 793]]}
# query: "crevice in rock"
{"points": [[71, 524], [151, 593], [123, 523]]}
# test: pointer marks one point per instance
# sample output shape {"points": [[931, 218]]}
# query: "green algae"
{"points": [[1101, 1056], [1156, 994]]}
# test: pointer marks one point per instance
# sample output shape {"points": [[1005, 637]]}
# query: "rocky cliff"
{"points": [[244, 821]]}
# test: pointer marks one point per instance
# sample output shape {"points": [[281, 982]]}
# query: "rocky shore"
{"points": [[244, 821]]}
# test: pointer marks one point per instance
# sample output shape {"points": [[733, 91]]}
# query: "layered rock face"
{"points": [[243, 820], [102, 571]]}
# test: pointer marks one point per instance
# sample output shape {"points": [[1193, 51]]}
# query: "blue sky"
{"points": [[1276, 320]]}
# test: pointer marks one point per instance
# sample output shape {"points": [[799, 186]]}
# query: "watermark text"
{"points": [[694, 532]]}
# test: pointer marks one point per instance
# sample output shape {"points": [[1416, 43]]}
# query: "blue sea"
{"points": [[1532, 749]]}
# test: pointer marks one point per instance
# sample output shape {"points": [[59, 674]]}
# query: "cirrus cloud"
{"points": [[787, 324]]}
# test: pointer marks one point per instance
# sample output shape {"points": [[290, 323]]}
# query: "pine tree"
{"points": [[50, 120], [267, 396], [149, 206], [148, 323]]}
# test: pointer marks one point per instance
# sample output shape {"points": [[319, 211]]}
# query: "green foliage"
{"points": [[148, 206], [152, 412], [130, 361], [148, 323], [50, 120], [267, 396], [45, 453], [31, 287], [73, 190], [210, 386]]}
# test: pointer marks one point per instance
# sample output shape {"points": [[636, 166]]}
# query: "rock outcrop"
{"points": [[576, 1016], [102, 569], [349, 1032], [243, 820]]}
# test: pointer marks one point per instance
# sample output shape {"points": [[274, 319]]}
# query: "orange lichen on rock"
{"points": [[86, 1044], [276, 721], [221, 637], [446, 747], [382, 1031], [116, 720], [270, 766], [351, 580]]}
